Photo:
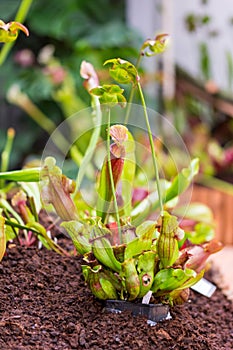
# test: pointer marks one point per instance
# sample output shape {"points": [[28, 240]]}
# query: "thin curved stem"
{"points": [[154, 158], [128, 110]]}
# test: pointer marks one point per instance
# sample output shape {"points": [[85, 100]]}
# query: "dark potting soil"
{"points": [[45, 305]]}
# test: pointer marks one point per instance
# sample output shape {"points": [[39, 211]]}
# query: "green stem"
{"points": [[7, 150], [111, 178], [33, 208], [20, 17], [40, 231], [20, 226], [128, 110], [23, 10], [6, 153], [8, 208], [154, 159], [13, 228]]}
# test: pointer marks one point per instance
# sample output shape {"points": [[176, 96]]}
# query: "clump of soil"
{"points": [[45, 305]]}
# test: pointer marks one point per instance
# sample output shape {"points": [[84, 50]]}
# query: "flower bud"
{"points": [[88, 72]]}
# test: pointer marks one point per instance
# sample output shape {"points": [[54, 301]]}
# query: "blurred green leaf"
{"points": [[179, 184], [8, 8], [195, 211], [205, 61], [182, 181], [171, 279], [10, 232], [113, 34], [27, 175], [202, 233]]}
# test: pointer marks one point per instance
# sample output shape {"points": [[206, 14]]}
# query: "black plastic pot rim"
{"points": [[153, 312]]}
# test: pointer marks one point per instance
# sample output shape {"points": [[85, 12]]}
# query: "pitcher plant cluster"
{"points": [[125, 253]]}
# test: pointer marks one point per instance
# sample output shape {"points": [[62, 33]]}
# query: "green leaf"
{"points": [[10, 232], [156, 46], [146, 267], [92, 277], [147, 226], [25, 175], [191, 281], [195, 211], [103, 252], [98, 91], [132, 283], [108, 288], [109, 94], [182, 181], [140, 244], [202, 233], [170, 279], [205, 61], [79, 234], [122, 71]]}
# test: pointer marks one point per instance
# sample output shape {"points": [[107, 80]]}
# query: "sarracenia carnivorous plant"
{"points": [[126, 253]]}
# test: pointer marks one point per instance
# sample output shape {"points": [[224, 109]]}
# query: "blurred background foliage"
{"points": [[46, 65]]}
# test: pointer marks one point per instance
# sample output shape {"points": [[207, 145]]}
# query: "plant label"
{"points": [[204, 287], [146, 298]]}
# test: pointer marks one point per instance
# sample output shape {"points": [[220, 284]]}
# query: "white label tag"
{"points": [[146, 298], [204, 287]]}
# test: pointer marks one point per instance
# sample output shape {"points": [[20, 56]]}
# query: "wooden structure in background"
{"points": [[222, 207], [188, 86], [220, 202]]}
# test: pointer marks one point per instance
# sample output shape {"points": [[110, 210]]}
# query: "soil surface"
{"points": [[45, 304]]}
